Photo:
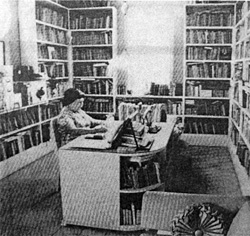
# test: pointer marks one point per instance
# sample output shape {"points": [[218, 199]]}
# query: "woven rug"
{"points": [[202, 170]]}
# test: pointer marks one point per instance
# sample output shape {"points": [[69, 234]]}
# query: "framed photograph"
{"points": [[2, 53]]}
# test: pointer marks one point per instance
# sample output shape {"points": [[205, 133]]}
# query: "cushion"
{"points": [[241, 222], [202, 219]]}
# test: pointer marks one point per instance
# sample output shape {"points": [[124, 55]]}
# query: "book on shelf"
{"points": [[208, 36], [135, 175]]}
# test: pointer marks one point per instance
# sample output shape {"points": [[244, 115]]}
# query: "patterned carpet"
{"points": [[202, 169]]}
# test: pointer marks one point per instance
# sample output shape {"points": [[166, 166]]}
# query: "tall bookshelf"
{"points": [[45, 43], [240, 94], [207, 67], [94, 44]]}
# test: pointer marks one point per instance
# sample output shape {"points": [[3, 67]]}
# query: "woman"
{"points": [[73, 121]]}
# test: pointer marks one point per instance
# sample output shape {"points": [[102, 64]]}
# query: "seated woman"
{"points": [[73, 121]]}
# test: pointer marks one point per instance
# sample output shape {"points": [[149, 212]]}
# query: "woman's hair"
{"points": [[70, 95]]}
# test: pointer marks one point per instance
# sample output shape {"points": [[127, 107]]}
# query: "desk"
{"points": [[90, 181]]}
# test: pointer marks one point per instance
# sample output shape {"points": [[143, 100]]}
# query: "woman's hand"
{"points": [[100, 129]]}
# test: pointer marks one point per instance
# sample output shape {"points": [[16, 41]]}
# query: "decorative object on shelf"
{"points": [[202, 220]]}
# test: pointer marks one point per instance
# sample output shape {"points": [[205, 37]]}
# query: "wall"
{"points": [[9, 32]]}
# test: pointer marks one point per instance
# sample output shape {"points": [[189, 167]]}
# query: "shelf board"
{"points": [[51, 60], [211, 27], [99, 60], [51, 3], [205, 78], [92, 45], [92, 77], [206, 116], [207, 98], [204, 61], [99, 113], [19, 130], [210, 44], [130, 227], [142, 190], [92, 29], [148, 96], [55, 98], [52, 43], [50, 25], [98, 95], [105, 8], [21, 108]]}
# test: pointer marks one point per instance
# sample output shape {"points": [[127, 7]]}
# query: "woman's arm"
{"points": [[70, 128]]}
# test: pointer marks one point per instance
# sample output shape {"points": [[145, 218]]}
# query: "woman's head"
{"points": [[73, 98]]}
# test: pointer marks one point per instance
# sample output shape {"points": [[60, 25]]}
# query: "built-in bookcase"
{"points": [[94, 42], [207, 67], [240, 93]]}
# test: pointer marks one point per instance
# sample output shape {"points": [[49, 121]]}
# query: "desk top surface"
{"points": [[160, 139]]}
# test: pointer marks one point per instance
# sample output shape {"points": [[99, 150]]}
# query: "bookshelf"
{"points": [[94, 43], [240, 93], [44, 40], [207, 67], [26, 134]]}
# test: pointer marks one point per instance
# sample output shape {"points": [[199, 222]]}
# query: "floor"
{"points": [[43, 218]]}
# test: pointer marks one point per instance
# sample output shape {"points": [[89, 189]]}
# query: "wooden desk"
{"points": [[90, 181]]}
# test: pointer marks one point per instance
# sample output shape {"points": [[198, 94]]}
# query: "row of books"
{"points": [[240, 32], [104, 21], [234, 135], [207, 108], [208, 70], [97, 86], [98, 105], [83, 69], [53, 70], [239, 51], [174, 107], [159, 89], [92, 53], [206, 126], [52, 16], [207, 88], [130, 216], [18, 119], [238, 71], [244, 155], [47, 33], [246, 126], [246, 100], [209, 36], [121, 89], [23, 140], [218, 17], [208, 53], [56, 88], [85, 3], [52, 52], [241, 10], [50, 110], [136, 176], [236, 114], [90, 38]]}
